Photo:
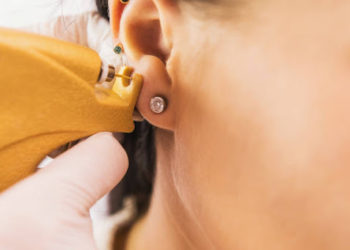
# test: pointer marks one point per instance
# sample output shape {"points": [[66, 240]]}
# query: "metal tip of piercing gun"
{"points": [[108, 73]]}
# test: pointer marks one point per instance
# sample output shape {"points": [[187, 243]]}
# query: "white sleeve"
{"points": [[87, 29]]}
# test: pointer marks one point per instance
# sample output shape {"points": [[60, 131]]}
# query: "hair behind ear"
{"points": [[102, 7], [138, 181]]}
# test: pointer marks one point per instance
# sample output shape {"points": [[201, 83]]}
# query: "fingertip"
{"points": [[111, 156], [89, 170], [108, 141]]}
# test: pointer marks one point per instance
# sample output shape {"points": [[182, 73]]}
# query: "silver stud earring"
{"points": [[158, 104]]}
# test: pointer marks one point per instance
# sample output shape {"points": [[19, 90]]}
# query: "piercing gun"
{"points": [[51, 94]]}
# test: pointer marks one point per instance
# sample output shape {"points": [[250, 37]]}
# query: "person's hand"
{"points": [[50, 209]]}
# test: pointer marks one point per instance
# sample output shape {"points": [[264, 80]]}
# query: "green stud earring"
{"points": [[118, 49], [124, 1]]}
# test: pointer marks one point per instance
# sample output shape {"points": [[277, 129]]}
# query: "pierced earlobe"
{"points": [[124, 1]]}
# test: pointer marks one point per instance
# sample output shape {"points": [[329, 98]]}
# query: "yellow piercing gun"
{"points": [[48, 98]]}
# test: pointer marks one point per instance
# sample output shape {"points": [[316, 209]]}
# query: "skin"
{"points": [[50, 209], [253, 150]]}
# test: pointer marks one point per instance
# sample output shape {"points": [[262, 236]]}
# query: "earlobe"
{"points": [[157, 84]]}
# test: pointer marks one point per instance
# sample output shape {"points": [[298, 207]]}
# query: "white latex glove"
{"points": [[50, 209]]}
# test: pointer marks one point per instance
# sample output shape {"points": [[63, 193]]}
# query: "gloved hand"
{"points": [[50, 209]]}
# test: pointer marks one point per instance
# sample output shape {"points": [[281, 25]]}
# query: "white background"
{"points": [[19, 13]]}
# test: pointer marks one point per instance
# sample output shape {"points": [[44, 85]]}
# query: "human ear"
{"points": [[147, 44]]}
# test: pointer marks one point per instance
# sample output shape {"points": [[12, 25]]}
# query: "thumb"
{"points": [[82, 175]]}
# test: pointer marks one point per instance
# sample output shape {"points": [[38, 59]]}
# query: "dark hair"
{"points": [[139, 145], [102, 7]]}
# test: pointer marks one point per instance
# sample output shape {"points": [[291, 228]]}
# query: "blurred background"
{"points": [[19, 13]]}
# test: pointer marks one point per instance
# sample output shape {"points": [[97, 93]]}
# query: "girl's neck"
{"points": [[157, 230], [169, 223]]}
